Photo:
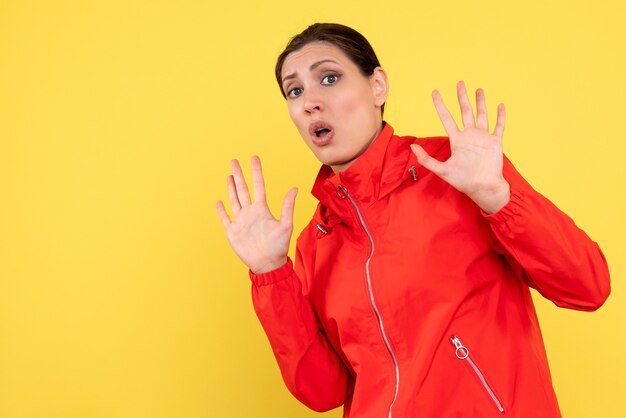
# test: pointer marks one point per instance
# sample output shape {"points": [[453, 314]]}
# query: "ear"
{"points": [[380, 86]]}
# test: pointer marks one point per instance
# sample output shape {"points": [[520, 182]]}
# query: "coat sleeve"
{"points": [[555, 256], [311, 368]]}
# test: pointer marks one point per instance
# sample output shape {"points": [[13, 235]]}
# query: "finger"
{"points": [[232, 195], [258, 182], [446, 118], [466, 108], [427, 161], [286, 214], [499, 129], [240, 183], [221, 211], [482, 121]]}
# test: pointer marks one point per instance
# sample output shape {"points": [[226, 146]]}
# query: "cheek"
{"points": [[348, 102], [294, 117], [300, 123], [291, 111], [355, 102]]}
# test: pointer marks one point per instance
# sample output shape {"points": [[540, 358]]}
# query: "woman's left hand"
{"points": [[475, 165]]}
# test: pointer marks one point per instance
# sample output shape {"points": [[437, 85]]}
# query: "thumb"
{"points": [[426, 160], [286, 215]]}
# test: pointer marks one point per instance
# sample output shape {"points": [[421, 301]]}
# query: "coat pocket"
{"points": [[462, 353]]}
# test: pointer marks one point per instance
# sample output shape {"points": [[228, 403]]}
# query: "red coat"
{"points": [[408, 301]]}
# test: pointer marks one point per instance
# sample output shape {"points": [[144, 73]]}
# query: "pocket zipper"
{"points": [[462, 353]]}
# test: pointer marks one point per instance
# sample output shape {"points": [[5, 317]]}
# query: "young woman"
{"points": [[410, 293]]}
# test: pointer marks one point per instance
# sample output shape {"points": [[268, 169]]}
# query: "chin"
{"points": [[341, 165]]}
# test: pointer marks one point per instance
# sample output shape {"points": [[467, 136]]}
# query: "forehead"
{"points": [[301, 59]]}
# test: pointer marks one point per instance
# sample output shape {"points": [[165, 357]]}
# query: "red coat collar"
{"points": [[387, 163]]}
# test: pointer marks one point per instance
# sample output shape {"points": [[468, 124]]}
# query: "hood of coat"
{"points": [[383, 167]]}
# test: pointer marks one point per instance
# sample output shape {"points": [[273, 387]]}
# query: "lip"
{"points": [[327, 138]]}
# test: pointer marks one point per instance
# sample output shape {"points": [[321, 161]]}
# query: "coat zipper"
{"points": [[462, 353], [373, 301]]}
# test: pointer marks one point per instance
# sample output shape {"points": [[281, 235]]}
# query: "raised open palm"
{"points": [[259, 239], [475, 164]]}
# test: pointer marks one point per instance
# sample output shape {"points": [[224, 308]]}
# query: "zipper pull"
{"points": [[459, 348], [342, 192]]}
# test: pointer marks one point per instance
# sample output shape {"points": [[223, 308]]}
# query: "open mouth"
{"points": [[321, 132]]}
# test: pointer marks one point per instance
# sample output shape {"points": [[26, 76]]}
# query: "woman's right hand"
{"points": [[260, 240]]}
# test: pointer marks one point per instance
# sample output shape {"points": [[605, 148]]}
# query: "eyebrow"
{"points": [[311, 68]]}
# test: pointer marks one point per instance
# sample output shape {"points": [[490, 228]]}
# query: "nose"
{"points": [[312, 101]]}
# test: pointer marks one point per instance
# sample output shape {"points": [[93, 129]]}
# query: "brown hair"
{"points": [[348, 40]]}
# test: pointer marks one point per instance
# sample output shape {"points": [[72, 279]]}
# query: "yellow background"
{"points": [[119, 294]]}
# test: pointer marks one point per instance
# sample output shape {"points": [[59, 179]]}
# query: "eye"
{"points": [[294, 92], [330, 79]]}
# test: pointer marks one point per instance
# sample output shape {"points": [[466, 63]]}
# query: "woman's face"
{"points": [[336, 109]]}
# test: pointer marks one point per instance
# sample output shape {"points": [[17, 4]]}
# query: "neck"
{"points": [[338, 168]]}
